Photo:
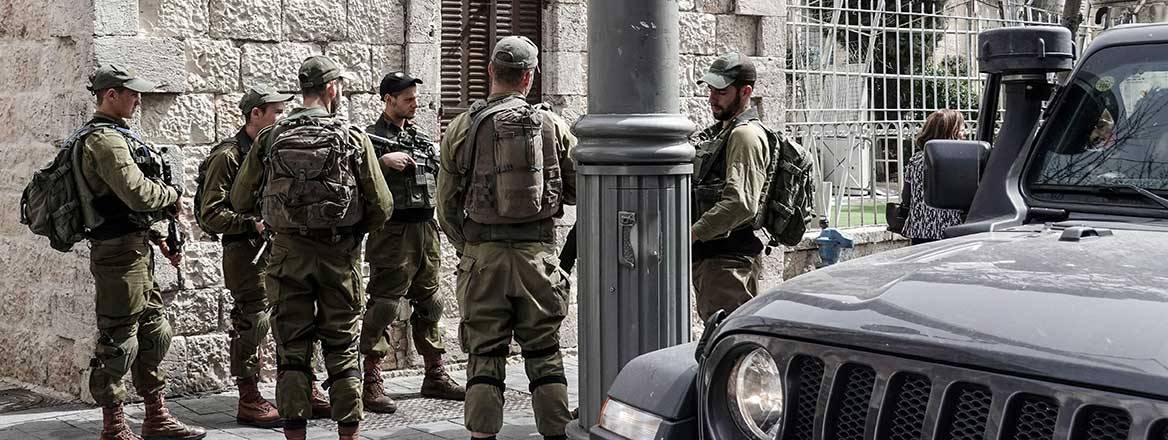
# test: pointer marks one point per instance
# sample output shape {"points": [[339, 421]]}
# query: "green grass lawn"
{"points": [[859, 214]]}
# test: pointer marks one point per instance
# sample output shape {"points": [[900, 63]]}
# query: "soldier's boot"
{"points": [[254, 410], [437, 384], [114, 426], [295, 429], [374, 396], [160, 425], [348, 432], [322, 408]]}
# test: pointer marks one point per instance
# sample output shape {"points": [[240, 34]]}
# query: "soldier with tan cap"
{"points": [[315, 181], [124, 175], [505, 174]]}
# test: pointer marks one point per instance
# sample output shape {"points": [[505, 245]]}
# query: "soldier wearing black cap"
{"points": [[124, 175], [240, 234], [730, 173], [320, 189], [404, 257]]}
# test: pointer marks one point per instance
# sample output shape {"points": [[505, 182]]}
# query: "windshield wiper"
{"points": [[1143, 191]]}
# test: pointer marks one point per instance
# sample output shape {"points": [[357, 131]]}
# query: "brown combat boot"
{"points": [[438, 385], [160, 425], [296, 429], [322, 407], [348, 432], [374, 396], [113, 424], [254, 410]]}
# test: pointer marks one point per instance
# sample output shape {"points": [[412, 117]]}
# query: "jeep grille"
{"points": [[841, 394]]}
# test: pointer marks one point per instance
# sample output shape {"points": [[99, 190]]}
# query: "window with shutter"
{"points": [[470, 29]]}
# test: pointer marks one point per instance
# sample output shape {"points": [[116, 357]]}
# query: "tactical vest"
{"points": [[415, 187], [310, 172], [710, 166], [119, 219], [512, 161]]}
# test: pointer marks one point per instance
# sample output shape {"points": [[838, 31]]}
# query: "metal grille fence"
{"points": [[864, 75]]}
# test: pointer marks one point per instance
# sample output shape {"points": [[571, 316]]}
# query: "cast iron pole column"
{"points": [[634, 166]]}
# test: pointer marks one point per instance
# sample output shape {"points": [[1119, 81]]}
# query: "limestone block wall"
{"points": [[46, 311]]}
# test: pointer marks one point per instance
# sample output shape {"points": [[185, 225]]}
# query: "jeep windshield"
{"points": [[1105, 143]]}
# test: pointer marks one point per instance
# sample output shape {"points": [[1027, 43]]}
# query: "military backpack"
{"points": [[513, 163], [786, 202], [311, 170]]}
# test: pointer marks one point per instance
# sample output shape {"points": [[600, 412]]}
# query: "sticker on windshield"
{"points": [[1105, 83]]}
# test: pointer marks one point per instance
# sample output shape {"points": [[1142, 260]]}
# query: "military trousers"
{"points": [[724, 282], [133, 333], [403, 263], [505, 291], [249, 308], [316, 293]]}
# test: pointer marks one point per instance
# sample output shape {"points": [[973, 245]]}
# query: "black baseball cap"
{"points": [[394, 82]]}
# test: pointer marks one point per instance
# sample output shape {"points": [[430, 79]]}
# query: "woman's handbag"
{"points": [[895, 214]]}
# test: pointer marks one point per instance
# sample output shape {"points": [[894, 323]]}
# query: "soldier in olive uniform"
{"points": [[731, 167], [404, 256], [125, 177], [505, 173], [316, 182], [241, 242]]}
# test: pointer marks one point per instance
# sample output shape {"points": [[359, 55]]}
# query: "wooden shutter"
{"points": [[470, 29]]}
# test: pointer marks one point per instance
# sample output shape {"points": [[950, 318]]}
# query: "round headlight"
{"points": [[756, 394]]}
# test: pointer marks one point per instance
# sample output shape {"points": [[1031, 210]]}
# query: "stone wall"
{"points": [[46, 315], [207, 52]]}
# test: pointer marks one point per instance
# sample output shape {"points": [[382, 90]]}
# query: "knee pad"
{"points": [[343, 374], [428, 309], [547, 380]]}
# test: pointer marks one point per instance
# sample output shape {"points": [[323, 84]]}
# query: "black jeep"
{"points": [[1045, 316]]}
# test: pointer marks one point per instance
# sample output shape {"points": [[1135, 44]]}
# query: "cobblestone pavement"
{"points": [[417, 418]]}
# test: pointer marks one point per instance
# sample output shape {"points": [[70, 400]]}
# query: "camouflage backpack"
{"points": [[311, 175], [789, 192], [57, 203]]}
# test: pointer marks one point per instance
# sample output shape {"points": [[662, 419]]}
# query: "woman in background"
{"points": [[926, 223]]}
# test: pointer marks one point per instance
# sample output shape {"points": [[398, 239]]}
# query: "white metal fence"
{"points": [[864, 75]]}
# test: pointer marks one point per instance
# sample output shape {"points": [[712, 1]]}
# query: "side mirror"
{"points": [[952, 172]]}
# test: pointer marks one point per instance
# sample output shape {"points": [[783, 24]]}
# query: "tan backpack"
{"points": [[311, 175], [512, 163]]}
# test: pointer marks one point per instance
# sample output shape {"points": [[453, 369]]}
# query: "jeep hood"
{"points": [[1092, 312]]}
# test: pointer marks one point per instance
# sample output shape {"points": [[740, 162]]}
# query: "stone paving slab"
{"points": [[417, 419]]}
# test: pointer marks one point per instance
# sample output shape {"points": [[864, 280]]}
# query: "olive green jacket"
{"points": [[452, 188], [746, 164], [378, 200], [109, 167], [222, 166]]}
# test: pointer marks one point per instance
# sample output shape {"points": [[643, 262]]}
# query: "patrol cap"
{"points": [[394, 82], [109, 76], [516, 51], [727, 69], [259, 95], [318, 70]]}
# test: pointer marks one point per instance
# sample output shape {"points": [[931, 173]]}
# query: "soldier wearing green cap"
{"points": [[730, 173], [314, 180], [240, 235], [126, 179], [404, 257], [505, 174]]}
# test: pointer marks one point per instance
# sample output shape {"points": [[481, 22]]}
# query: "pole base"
{"points": [[575, 431]]}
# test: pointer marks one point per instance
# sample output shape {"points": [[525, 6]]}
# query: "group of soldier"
{"points": [[292, 197]]}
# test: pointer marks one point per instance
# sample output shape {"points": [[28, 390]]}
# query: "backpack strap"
{"points": [[480, 111]]}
